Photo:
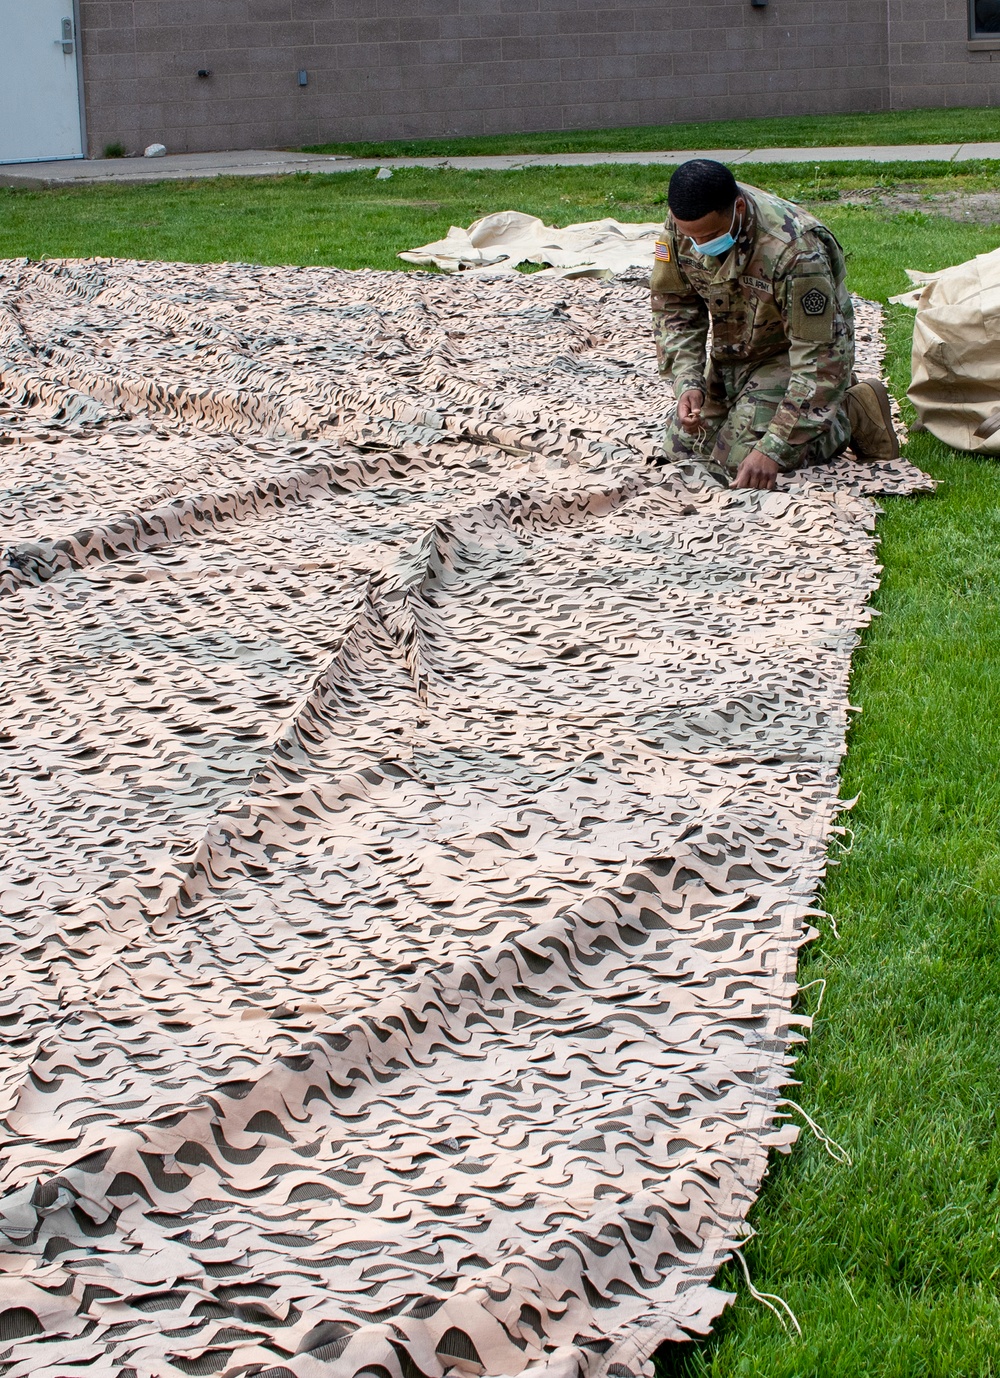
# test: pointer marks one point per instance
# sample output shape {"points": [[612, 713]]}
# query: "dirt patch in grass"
{"points": [[971, 207]]}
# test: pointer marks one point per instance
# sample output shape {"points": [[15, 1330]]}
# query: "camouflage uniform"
{"points": [[782, 339]]}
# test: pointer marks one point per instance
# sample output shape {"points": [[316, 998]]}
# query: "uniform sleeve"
{"points": [[819, 323], [680, 326]]}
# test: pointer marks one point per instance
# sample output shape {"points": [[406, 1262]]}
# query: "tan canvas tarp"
{"points": [[956, 354], [412, 808], [498, 242]]}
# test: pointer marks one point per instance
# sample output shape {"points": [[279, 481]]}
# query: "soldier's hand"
{"points": [[689, 406], [756, 471]]}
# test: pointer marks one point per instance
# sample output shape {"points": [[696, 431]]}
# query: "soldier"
{"points": [[776, 390]]}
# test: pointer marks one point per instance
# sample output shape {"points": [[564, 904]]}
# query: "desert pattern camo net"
{"points": [[413, 803]]}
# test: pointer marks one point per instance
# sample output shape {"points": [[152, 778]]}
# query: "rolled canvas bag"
{"points": [[956, 355]]}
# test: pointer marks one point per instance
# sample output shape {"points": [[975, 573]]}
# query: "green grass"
{"points": [[353, 221], [790, 131], [891, 1264]]}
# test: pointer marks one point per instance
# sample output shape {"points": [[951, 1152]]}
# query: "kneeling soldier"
{"points": [[777, 389]]}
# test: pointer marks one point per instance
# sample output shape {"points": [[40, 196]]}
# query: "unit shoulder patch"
{"points": [[811, 309], [814, 302]]}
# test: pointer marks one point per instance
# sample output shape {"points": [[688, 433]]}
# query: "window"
{"points": [[984, 18]]}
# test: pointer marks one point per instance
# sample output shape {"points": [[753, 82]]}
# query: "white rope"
{"points": [[847, 832], [820, 981], [824, 914], [766, 1298], [838, 1154]]}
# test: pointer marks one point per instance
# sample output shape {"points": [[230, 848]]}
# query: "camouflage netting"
{"points": [[413, 804]]}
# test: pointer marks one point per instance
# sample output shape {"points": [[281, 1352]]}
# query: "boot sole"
{"points": [[880, 391]]}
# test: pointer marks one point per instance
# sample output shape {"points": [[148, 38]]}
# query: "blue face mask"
{"points": [[715, 248]]}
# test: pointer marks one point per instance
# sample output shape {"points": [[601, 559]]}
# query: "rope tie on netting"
{"points": [[768, 1299], [815, 913], [838, 1154], [843, 832], [820, 981]]}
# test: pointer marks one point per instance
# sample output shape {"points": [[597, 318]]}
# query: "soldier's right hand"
{"points": [[689, 406]]}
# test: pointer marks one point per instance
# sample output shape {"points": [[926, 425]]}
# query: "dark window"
{"points": [[984, 18]]}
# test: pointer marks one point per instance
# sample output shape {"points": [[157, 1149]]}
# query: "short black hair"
{"points": [[700, 187]]}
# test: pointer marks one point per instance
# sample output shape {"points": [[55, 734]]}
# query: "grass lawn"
{"points": [[979, 125], [893, 1264], [353, 221]]}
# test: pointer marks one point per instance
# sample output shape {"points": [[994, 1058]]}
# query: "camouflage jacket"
{"points": [[780, 291]]}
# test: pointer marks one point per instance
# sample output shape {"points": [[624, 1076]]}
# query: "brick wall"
{"points": [[931, 61], [397, 68]]}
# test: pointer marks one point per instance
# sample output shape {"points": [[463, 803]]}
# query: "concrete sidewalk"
{"points": [[252, 163]]}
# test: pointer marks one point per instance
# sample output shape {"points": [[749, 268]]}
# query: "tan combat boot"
{"points": [[872, 435]]}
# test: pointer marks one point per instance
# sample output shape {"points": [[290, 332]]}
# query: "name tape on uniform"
{"points": [[758, 284]]}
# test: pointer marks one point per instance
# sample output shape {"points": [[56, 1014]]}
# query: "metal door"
{"points": [[39, 81]]}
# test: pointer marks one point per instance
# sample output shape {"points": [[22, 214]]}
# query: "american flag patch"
{"points": [[662, 252]]}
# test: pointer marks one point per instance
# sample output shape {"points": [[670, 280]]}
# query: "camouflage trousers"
{"points": [[740, 403]]}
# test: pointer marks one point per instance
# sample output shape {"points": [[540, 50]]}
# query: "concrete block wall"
{"points": [[421, 68], [932, 61]]}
